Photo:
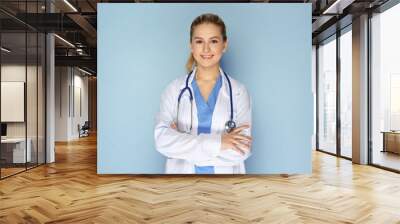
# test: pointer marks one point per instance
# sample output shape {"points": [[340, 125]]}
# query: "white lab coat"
{"points": [[185, 150]]}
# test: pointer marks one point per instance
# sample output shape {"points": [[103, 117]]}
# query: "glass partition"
{"points": [[14, 153], [22, 78], [41, 87], [327, 95], [32, 95]]}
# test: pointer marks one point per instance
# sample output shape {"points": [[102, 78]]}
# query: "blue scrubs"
{"points": [[204, 116]]}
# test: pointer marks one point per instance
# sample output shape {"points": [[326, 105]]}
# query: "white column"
{"points": [[360, 90], [50, 110], [50, 92]]}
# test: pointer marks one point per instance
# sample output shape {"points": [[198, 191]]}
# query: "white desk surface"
{"points": [[13, 140]]}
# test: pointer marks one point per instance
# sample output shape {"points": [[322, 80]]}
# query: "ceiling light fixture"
{"points": [[65, 41], [86, 72], [5, 50], [79, 51], [329, 9], [70, 5], [337, 7]]}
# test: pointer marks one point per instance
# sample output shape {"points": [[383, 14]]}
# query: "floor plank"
{"points": [[70, 191]]}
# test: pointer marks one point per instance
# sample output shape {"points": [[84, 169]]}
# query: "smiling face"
{"points": [[207, 45]]}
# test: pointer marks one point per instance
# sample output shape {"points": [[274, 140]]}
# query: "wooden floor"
{"points": [[5, 172], [70, 191], [387, 159]]}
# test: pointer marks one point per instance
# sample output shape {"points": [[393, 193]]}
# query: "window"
{"points": [[327, 95], [385, 88], [346, 92]]}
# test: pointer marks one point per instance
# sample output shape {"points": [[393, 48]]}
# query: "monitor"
{"points": [[3, 129]]}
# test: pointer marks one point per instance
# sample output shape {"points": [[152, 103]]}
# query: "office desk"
{"points": [[13, 150], [391, 141]]}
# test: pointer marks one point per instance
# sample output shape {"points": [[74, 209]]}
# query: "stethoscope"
{"points": [[229, 125]]}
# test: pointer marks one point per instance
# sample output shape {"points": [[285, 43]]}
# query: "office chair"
{"points": [[84, 130]]}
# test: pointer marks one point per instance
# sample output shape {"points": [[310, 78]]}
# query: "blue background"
{"points": [[143, 47]]}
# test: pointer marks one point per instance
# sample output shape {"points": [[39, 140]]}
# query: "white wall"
{"points": [[61, 103], [79, 117], [12, 73], [15, 72], [71, 93], [33, 127]]}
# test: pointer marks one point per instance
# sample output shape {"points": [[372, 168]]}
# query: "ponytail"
{"points": [[190, 63]]}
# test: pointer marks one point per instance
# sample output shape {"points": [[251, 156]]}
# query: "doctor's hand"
{"points": [[173, 126], [236, 141]]}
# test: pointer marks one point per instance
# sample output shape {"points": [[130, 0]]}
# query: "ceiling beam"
{"points": [[85, 25], [84, 61]]}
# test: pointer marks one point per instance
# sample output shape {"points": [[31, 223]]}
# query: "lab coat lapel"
{"points": [[221, 112]]}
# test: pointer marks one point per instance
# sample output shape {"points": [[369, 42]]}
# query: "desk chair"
{"points": [[84, 130]]}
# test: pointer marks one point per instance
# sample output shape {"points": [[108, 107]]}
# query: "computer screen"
{"points": [[3, 129]]}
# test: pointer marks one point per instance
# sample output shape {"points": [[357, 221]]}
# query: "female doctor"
{"points": [[203, 126]]}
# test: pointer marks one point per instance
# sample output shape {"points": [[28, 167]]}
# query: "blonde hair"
{"points": [[204, 18]]}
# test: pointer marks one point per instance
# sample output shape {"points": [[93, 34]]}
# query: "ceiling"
{"points": [[76, 22]]}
